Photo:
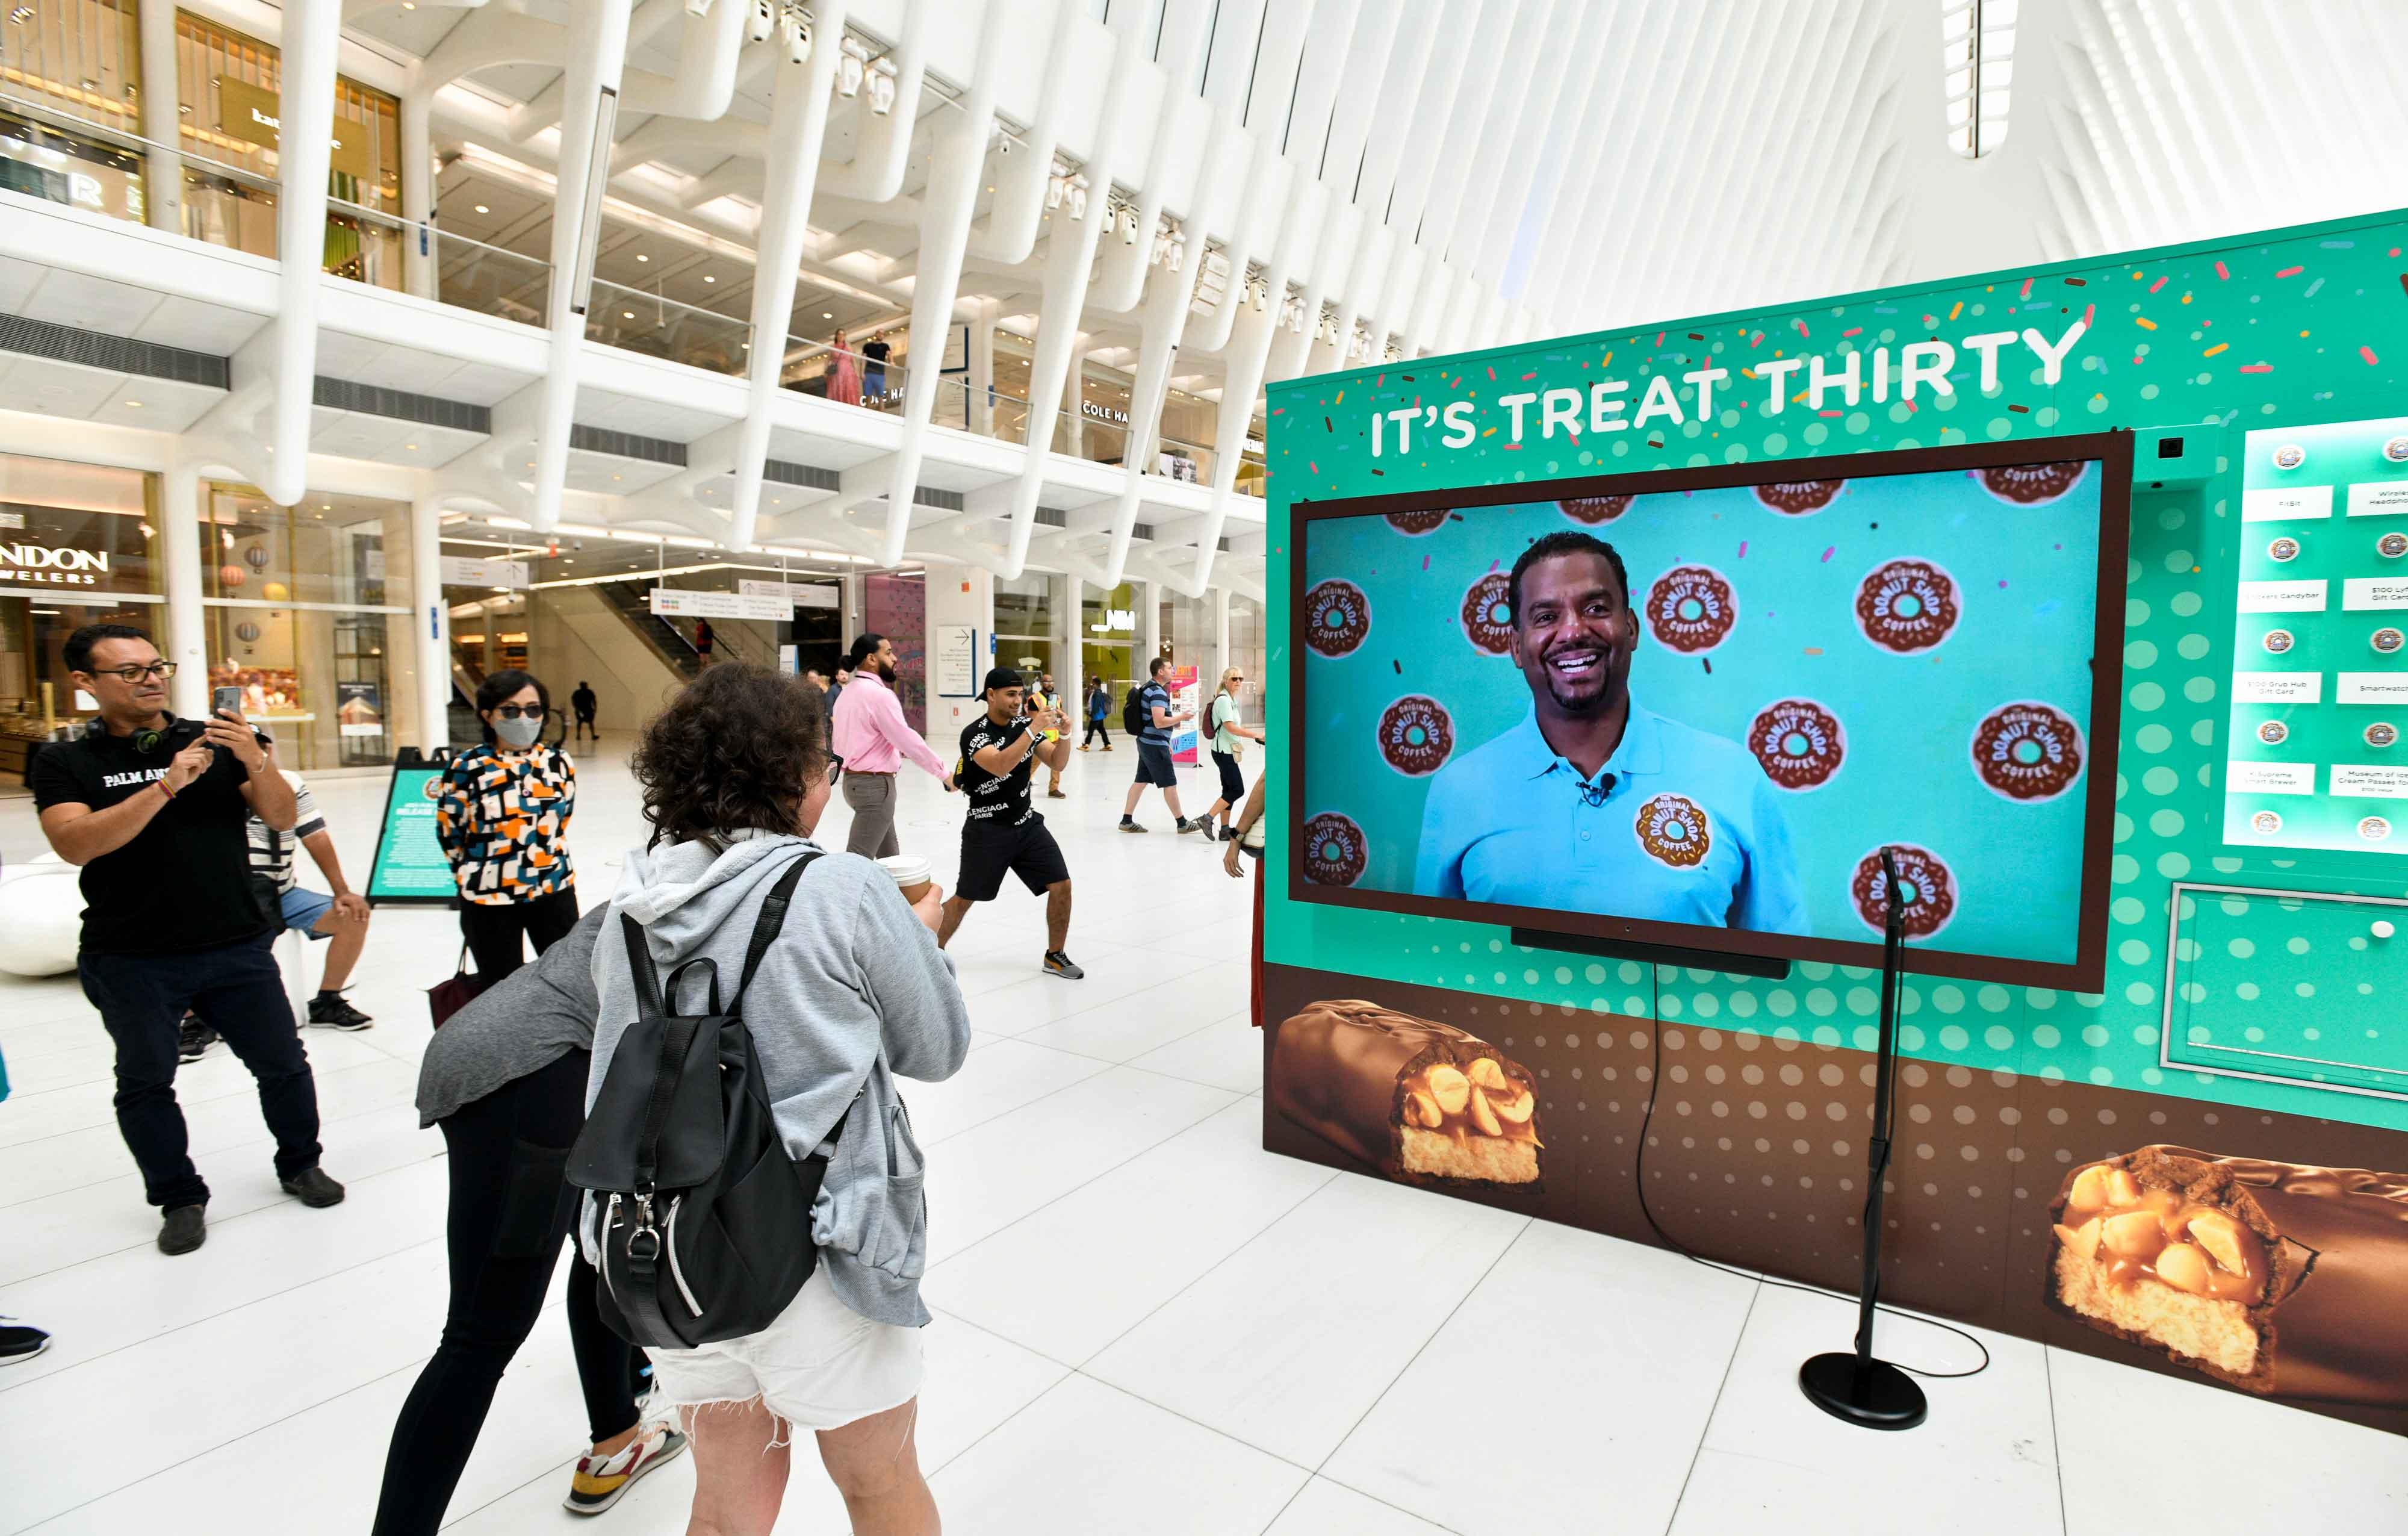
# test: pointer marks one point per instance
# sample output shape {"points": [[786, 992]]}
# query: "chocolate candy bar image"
{"points": [[1416, 1099], [2278, 1278]]}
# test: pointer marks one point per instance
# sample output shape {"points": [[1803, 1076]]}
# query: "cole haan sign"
{"points": [[48, 565]]}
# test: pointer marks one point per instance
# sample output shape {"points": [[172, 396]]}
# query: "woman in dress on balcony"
{"points": [[844, 373]]}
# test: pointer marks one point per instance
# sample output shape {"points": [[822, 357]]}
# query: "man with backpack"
{"points": [[1147, 716], [1100, 714]]}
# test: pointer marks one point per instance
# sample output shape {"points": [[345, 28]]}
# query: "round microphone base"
{"points": [[1870, 1394]]}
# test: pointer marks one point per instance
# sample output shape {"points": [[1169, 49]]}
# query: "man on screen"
{"points": [[1593, 803]]}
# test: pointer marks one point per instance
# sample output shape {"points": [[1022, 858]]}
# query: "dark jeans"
{"points": [[509, 1209], [1095, 729], [499, 936], [238, 988]]}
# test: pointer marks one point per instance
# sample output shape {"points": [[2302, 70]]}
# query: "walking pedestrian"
{"points": [[585, 703], [1227, 737], [1003, 833], [872, 739], [703, 640], [1100, 714], [502, 819], [1154, 766], [154, 810]]}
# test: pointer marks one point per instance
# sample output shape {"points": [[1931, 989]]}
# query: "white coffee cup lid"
{"points": [[909, 869]]}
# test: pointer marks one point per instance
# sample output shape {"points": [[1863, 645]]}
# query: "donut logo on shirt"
{"points": [[1336, 617], [1416, 734], [1691, 609], [1417, 524], [1799, 497], [1594, 509], [1674, 831], [1927, 884], [2030, 484], [1485, 620], [2027, 751], [1799, 743], [1907, 606], [1335, 853]]}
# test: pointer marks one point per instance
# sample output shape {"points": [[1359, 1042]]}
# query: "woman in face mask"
{"points": [[503, 821]]}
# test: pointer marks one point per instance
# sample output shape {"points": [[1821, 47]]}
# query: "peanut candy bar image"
{"points": [[1413, 1098]]}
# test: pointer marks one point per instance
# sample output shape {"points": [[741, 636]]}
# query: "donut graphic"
{"points": [[1928, 885], [2290, 457], [1799, 741], [2278, 640], [2030, 484], [2374, 828], [2266, 823], [1907, 606], [1799, 497], [1334, 850], [1416, 734], [2284, 549], [2274, 733], [2381, 734], [2397, 451], [1417, 524], [2028, 751], [1594, 509], [2386, 641], [1674, 831], [1691, 609], [1484, 621], [2391, 546], [1336, 617]]}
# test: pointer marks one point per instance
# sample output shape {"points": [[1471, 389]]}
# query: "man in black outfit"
{"points": [[155, 810], [1004, 834], [584, 704], [702, 639]]}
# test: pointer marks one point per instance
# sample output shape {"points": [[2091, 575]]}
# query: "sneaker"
{"points": [[313, 1188], [194, 1039], [1129, 824], [1204, 825], [330, 1011], [1186, 825], [185, 1228], [19, 1343], [1059, 964], [602, 1481], [1055, 794]]}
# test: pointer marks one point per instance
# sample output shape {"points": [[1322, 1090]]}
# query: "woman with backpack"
{"points": [[838, 988], [1100, 714], [1225, 736]]}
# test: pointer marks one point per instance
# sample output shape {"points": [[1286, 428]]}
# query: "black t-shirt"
{"points": [[997, 800], [183, 882], [583, 701], [877, 352]]}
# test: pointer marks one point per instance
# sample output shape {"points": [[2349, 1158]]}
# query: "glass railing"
{"points": [[846, 377], [658, 326], [472, 275]]}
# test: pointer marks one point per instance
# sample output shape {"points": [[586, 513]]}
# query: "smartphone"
{"points": [[225, 701]]}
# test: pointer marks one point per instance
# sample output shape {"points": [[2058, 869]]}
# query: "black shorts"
{"points": [[989, 852], [1154, 766], [1233, 783]]}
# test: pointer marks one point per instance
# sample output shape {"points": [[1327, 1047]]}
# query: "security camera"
{"points": [[763, 21]]}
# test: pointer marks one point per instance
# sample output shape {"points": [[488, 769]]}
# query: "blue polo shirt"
{"points": [[1512, 821]]}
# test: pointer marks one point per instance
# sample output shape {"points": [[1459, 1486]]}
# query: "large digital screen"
{"points": [[1689, 708]]}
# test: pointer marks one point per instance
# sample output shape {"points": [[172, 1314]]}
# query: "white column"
{"points": [[430, 624], [1074, 403], [1220, 662], [1068, 663], [184, 639], [419, 254], [311, 36], [163, 169], [982, 374], [1149, 628]]}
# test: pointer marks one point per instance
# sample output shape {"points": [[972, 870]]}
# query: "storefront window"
{"points": [[71, 60], [77, 545], [308, 614], [1108, 637]]}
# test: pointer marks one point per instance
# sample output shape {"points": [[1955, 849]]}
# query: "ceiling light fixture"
{"points": [[882, 93], [483, 209], [708, 278], [136, 405], [1977, 48]]}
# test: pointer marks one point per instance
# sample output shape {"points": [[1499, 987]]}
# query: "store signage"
{"points": [[954, 649], [1103, 413], [48, 565], [681, 603], [1826, 385], [249, 113], [793, 594], [464, 571]]}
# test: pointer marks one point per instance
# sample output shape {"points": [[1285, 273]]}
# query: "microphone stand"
{"points": [[1854, 1386]]}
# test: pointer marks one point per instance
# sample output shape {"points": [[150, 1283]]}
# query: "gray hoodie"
{"points": [[853, 992]]}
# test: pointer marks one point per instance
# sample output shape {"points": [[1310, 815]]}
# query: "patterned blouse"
{"points": [[503, 821]]}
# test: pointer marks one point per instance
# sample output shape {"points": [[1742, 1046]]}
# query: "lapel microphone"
{"points": [[1594, 794]]}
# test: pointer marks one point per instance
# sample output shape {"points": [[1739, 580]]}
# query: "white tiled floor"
{"points": [[1145, 1324]]}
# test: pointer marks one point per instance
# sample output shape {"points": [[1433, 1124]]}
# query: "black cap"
{"points": [[1002, 677]]}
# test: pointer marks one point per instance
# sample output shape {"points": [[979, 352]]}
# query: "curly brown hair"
{"points": [[737, 748]]}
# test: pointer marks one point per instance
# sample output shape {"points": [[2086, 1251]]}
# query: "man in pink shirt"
{"points": [[871, 742]]}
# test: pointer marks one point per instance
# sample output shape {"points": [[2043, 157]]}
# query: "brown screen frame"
{"points": [[2086, 972]]}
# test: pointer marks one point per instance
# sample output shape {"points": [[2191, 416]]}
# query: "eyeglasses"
{"points": [[835, 770], [512, 711], [161, 669]]}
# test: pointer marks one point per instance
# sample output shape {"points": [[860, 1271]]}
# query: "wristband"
{"points": [[163, 788]]}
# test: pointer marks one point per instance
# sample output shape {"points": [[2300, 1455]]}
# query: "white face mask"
{"points": [[521, 732]]}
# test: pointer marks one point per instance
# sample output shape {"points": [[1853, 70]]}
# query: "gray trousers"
{"points": [[872, 796]]}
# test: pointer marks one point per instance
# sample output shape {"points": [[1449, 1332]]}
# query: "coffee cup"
{"points": [[913, 874]]}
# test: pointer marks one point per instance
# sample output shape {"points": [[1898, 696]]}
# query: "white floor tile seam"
{"points": [[350, 1186], [247, 1087], [1705, 1425], [1105, 1062], [2056, 1437], [1423, 1517], [107, 1075]]}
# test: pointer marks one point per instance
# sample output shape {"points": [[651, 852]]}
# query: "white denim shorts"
{"points": [[820, 1366]]}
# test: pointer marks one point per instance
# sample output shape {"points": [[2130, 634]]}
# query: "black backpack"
{"points": [[1135, 716], [705, 1220]]}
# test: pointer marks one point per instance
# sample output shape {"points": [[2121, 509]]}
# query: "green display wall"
{"points": [[2297, 326]]}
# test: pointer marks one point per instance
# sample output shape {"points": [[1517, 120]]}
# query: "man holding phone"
{"points": [[1003, 833], [155, 810]]}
